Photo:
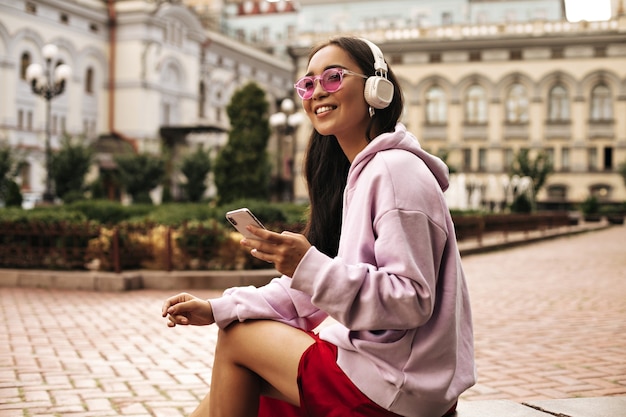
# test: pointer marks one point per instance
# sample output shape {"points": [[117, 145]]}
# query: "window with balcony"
{"points": [[558, 104], [601, 105], [517, 104], [476, 105], [436, 108]]}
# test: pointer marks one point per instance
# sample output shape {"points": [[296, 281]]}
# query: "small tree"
{"points": [[69, 167], [139, 174], [537, 169], [195, 167], [242, 168], [9, 167]]}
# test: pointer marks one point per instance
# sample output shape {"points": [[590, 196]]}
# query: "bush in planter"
{"points": [[614, 213], [591, 209]]}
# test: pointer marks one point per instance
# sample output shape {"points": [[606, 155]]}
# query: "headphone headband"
{"points": [[380, 66]]}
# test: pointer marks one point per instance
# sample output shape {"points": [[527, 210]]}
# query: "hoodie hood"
{"points": [[400, 138]]}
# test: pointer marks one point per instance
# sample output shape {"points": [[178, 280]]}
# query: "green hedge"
{"points": [[81, 235]]}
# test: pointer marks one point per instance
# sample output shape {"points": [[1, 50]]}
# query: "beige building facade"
{"points": [[152, 77], [482, 93], [146, 77]]}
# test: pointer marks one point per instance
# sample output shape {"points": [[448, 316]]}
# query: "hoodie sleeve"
{"points": [[396, 292], [274, 301]]}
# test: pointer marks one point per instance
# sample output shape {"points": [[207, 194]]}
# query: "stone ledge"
{"points": [[568, 407], [496, 408], [70, 280], [582, 407], [133, 280]]}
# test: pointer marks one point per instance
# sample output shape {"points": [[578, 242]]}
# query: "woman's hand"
{"points": [[186, 309], [285, 250]]}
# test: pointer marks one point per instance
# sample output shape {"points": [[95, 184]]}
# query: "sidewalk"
{"points": [[549, 318]]}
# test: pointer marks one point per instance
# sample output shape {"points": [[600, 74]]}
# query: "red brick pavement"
{"points": [[550, 322], [550, 318]]}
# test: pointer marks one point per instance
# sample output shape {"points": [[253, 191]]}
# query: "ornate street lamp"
{"points": [[48, 82], [285, 122]]}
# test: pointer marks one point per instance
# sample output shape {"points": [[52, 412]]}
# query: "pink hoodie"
{"points": [[396, 289]]}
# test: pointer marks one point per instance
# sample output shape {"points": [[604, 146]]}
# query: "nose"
{"points": [[317, 88]]}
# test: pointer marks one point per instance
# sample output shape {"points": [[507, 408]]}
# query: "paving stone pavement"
{"points": [[550, 322]]}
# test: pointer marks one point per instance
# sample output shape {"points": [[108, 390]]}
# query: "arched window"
{"points": [[558, 104], [601, 106], [89, 81], [601, 191], [517, 104], [25, 61], [436, 108], [476, 105]]}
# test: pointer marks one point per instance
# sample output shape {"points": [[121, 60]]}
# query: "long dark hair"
{"points": [[326, 166]]}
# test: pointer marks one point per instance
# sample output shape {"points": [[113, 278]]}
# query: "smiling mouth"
{"points": [[324, 109]]}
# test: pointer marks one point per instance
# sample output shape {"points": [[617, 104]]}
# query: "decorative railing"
{"points": [[194, 246]]}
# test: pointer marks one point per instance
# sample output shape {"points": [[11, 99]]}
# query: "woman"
{"points": [[378, 256]]}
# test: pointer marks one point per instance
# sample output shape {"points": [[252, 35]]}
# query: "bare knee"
{"points": [[234, 342], [235, 334]]}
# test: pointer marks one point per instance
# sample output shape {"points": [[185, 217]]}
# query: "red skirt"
{"points": [[325, 390]]}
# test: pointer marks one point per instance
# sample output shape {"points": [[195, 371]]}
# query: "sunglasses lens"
{"points": [[331, 80], [305, 87]]}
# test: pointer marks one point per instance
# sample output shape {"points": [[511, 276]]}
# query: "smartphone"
{"points": [[241, 218]]}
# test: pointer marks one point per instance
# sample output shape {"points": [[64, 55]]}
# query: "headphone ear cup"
{"points": [[378, 92]]}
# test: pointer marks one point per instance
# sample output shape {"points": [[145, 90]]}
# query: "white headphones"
{"points": [[378, 89]]}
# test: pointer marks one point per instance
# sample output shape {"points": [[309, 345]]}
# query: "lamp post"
{"points": [[48, 82], [285, 122]]}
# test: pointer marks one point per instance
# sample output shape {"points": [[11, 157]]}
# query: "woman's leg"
{"points": [[253, 358]]}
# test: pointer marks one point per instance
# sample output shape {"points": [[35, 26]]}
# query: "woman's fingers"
{"points": [[173, 301]]}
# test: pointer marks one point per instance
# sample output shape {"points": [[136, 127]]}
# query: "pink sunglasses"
{"points": [[330, 80]]}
